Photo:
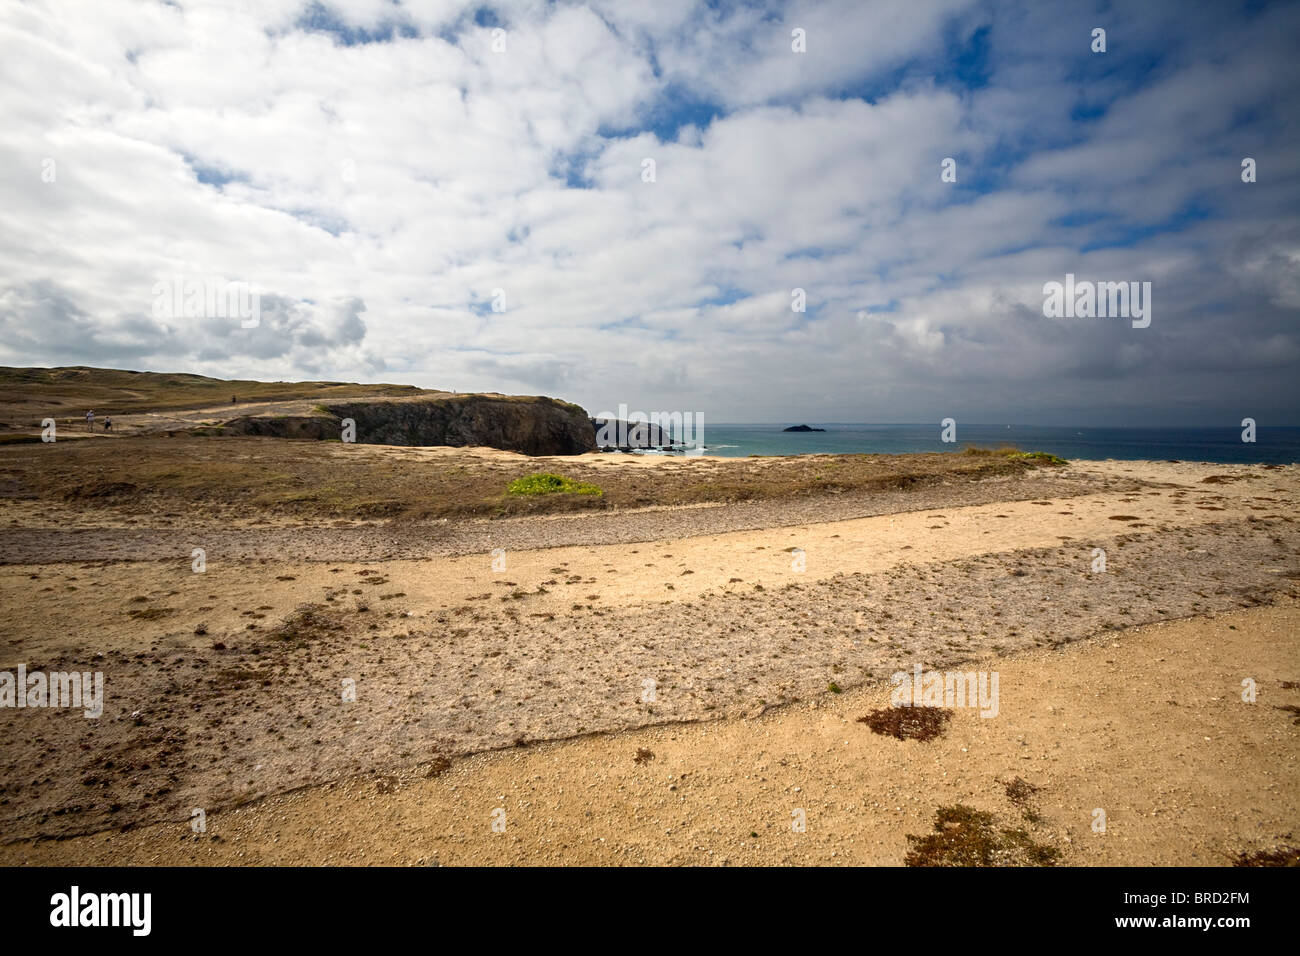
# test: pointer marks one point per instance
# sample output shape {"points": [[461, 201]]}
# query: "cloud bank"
{"points": [[458, 195]]}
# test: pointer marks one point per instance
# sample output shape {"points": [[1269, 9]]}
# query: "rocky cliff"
{"points": [[526, 424], [613, 433]]}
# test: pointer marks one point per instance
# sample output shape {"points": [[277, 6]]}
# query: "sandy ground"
{"points": [[1147, 725], [236, 698]]}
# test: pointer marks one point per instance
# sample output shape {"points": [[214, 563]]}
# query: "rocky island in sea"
{"points": [[802, 428]]}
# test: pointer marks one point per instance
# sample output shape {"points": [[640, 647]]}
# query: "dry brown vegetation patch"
{"points": [[308, 622], [908, 723], [1293, 710], [1274, 856], [1021, 793], [964, 836]]}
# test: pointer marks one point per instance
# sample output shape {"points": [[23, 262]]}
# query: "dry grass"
{"points": [[238, 476], [1021, 792], [964, 836], [28, 394], [1291, 709], [1275, 856], [908, 723]]}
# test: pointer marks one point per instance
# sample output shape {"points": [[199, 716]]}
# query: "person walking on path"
{"points": [[90, 420]]}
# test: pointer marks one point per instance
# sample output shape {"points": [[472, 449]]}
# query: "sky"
{"points": [[615, 202]]}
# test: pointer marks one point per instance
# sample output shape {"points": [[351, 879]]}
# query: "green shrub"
{"points": [[547, 484]]}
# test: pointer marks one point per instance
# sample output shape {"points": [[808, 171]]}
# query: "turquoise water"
{"points": [[1272, 445]]}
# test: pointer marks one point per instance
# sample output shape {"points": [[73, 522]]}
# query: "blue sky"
{"points": [[384, 172]]}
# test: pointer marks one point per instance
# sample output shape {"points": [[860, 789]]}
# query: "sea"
{"points": [[1272, 445]]}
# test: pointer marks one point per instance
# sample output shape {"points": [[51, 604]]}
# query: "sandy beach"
{"points": [[662, 684]]}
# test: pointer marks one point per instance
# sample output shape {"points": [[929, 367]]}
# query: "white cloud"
{"points": [[381, 192]]}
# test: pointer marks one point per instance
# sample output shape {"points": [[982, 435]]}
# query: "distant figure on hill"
{"points": [[234, 399], [90, 420], [108, 424]]}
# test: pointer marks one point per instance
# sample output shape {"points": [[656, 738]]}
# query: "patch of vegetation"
{"points": [[1020, 792], [150, 613], [1040, 456], [263, 477], [1275, 856], [309, 621], [545, 483], [1293, 710], [964, 836], [908, 723], [438, 766], [119, 391], [1012, 453]]}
